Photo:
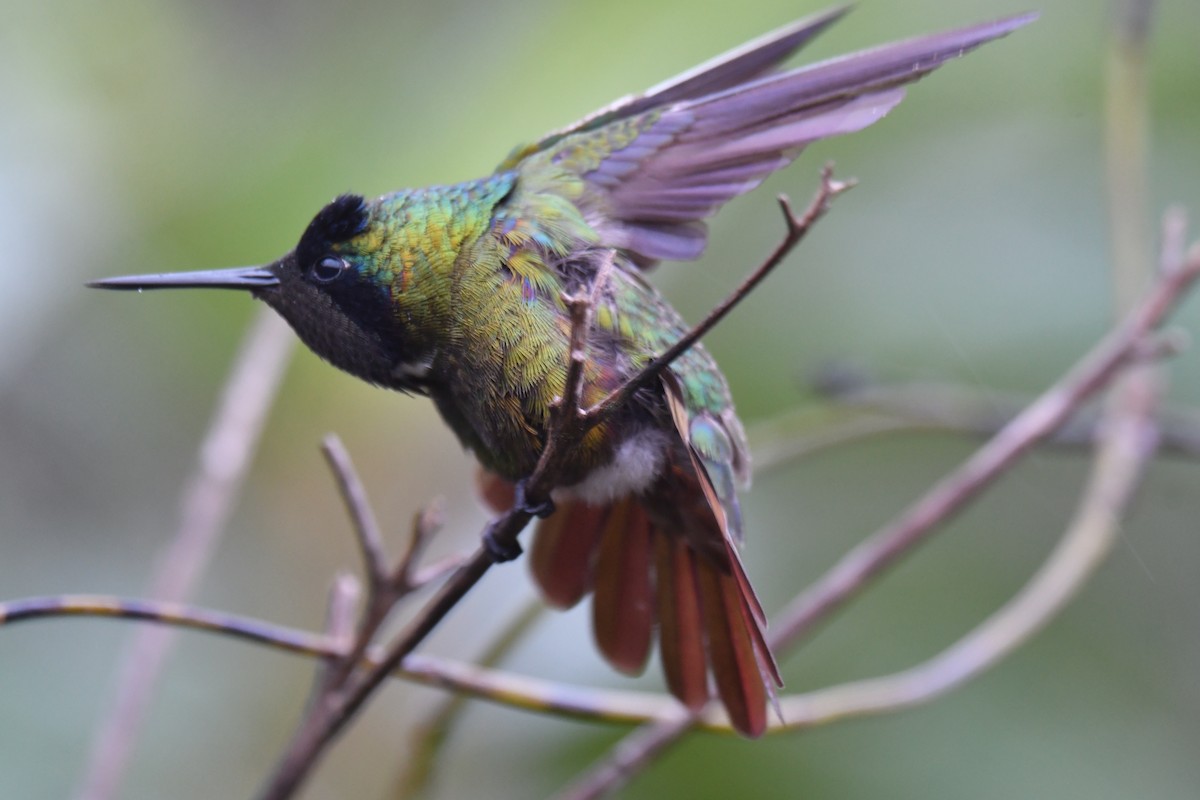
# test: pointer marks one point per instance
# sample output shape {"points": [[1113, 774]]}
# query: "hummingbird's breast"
{"points": [[509, 363]]}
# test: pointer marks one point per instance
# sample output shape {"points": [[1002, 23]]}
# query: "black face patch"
{"points": [[343, 219]]}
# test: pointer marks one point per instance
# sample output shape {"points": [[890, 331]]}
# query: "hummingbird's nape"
{"points": [[455, 292], [233, 278]]}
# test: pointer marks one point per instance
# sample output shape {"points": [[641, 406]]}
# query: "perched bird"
{"points": [[456, 292]]}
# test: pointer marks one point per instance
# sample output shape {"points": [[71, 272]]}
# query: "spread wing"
{"points": [[646, 171], [743, 64]]}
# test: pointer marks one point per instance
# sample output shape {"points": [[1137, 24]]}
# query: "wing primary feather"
{"points": [[744, 63], [738, 110]]}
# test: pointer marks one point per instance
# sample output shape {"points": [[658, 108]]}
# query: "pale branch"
{"points": [[865, 562], [437, 570], [204, 509], [358, 506], [425, 525], [344, 597], [340, 618], [387, 587], [467, 679], [1127, 443], [163, 612], [566, 428]]}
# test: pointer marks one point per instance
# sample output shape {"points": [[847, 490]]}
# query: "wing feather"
{"points": [[646, 171]]}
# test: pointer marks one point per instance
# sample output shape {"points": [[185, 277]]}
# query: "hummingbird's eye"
{"points": [[328, 269]]}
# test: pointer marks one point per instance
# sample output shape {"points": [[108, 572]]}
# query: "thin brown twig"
{"points": [[797, 228], [436, 571], [386, 587], [468, 679], [162, 612], [425, 525], [207, 502], [382, 591], [344, 596], [358, 506]]}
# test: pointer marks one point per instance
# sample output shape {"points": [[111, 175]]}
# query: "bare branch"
{"points": [[358, 506], [474, 680], [432, 573], [167, 613], [426, 523], [339, 628], [344, 596]]}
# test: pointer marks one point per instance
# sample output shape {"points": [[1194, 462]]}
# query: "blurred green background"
{"points": [[142, 136]]}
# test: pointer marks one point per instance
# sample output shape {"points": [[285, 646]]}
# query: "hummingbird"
{"points": [[456, 292]]}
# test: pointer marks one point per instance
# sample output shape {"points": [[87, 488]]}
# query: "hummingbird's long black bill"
{"points": [[244, 278]]}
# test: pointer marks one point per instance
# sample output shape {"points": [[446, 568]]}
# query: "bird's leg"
{"points": [[502, 551], [498, 550]]}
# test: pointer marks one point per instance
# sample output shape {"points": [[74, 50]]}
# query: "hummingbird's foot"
{"points": [[521, 503], [502, 551], [498, 550]]}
